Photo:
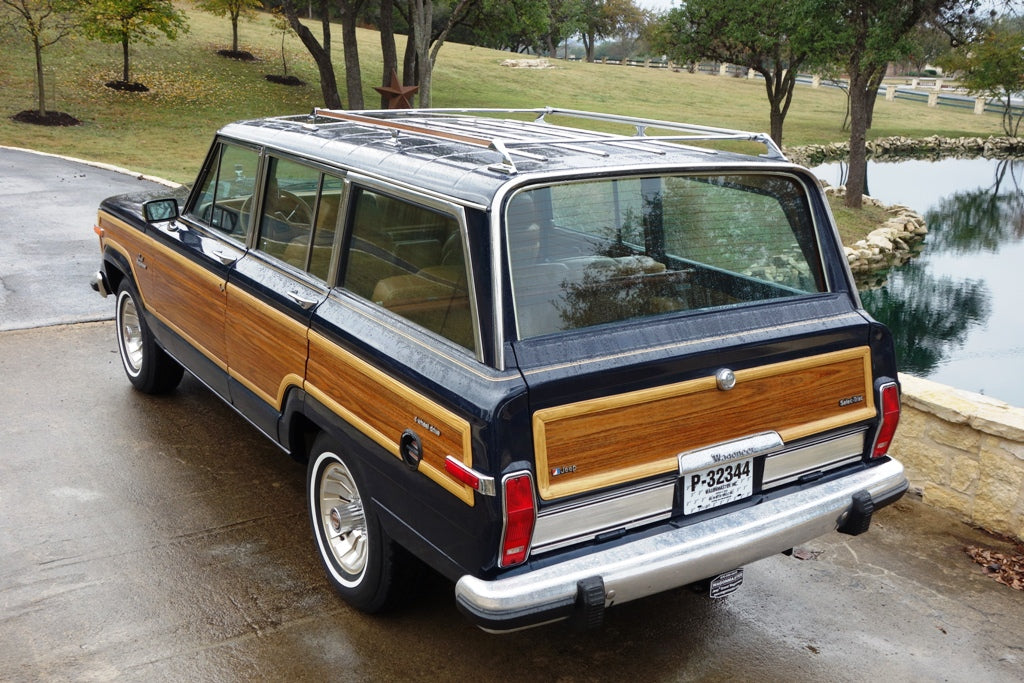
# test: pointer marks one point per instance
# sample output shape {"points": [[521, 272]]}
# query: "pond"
{"points": [[957, 309]]}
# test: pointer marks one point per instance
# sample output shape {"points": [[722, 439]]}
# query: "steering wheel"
{"points": [[288, 207]]}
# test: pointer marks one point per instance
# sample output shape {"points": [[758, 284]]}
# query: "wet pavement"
{"points": [[155, 539]]}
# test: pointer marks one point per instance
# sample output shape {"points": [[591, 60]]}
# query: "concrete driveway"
{"points": [[156, 539]]}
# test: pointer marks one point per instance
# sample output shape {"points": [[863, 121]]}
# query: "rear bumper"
{"points": [[677, 557]]}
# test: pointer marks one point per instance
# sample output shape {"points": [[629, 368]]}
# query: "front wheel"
{"points": [[362, 562], [149, 368]]}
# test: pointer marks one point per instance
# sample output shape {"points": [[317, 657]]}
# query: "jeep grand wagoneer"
{"points": [[564, 368]]}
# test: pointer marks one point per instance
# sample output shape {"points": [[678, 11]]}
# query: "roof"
{"points": [[467, 154]]}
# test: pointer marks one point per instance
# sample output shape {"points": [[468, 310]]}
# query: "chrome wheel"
{"points": [[342, 518], [130, 335]]}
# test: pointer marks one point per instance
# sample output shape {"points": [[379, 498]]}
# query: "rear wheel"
{"points": [[149, 368], [362, 562]]}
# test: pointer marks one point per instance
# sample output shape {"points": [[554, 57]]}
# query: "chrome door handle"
{"points": [[305, 303], [223, 256]]}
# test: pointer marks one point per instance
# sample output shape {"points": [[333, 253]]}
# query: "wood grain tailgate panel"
{"points": [[616, 439]]}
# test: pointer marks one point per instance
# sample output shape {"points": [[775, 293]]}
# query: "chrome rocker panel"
{"points": [[675, 558]]}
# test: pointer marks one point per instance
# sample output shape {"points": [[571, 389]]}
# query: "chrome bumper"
{"points": [[98, 282], [676, 557]]}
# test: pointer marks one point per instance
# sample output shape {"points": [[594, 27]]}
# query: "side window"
{"points": [[225, 199], [409, 259], [299, 215], [286, 218]]}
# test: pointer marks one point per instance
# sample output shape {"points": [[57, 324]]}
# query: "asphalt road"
{"points": [[48, 250], [155, 539]]}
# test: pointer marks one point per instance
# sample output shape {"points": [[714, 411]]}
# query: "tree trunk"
{"points": [[387, 46], [124, 54], [40, 81], [857, 178], [321, 53], [234, 33], [422, 20], [353, 72]]}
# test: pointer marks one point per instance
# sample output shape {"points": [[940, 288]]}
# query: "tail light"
{"points": [[520, 517], [889, 400]]}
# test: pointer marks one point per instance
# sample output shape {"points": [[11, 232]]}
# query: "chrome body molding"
{"points": [[676, 557], [569, 524], [563, 525], [818, 456]]}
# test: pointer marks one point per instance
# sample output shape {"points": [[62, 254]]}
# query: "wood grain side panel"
{"points": [[268, 348], [182, 294], [382, 408], [191, 300], [620, 438]]}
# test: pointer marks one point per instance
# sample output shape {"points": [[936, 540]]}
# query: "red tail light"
{"points": [[889, 398], [520, 517]]}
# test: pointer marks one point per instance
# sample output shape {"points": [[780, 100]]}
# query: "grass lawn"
{"points": [[193, 91]]}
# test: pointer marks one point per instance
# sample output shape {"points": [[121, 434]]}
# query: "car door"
{"points": [[197, 251], [273, 290]]}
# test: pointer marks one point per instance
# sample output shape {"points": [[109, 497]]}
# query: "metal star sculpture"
{"points": [[399, 96]]}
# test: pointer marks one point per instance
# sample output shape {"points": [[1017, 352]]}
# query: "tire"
{"points": [[362, 562], [149, 368]]}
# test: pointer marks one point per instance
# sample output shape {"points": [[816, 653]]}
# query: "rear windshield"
{"points": [[596, 252]]}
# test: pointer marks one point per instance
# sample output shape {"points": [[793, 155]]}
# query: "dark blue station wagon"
{"points": [[564, 367]]}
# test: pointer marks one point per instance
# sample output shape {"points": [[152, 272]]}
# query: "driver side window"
{"points": [[225, 199]]}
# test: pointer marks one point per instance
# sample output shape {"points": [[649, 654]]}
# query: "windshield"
{"points": [[595, 252]]}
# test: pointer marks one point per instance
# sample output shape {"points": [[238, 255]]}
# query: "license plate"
{"points": [[718, 485]]}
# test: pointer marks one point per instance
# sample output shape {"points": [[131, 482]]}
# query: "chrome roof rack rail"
{"points": [[504, 138]]}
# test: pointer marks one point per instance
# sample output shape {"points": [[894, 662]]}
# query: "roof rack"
{"points": [[503, 138]]}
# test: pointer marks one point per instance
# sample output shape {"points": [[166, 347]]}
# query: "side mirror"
{"points": [[160, 210]]}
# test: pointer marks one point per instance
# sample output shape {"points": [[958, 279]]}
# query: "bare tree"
{"points": [[46, 22]]}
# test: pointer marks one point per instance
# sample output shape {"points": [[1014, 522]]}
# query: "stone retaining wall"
{"points": [[964, 452]]}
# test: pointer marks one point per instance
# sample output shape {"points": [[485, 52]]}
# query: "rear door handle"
{"points": [[304, 302], [223, 256]]}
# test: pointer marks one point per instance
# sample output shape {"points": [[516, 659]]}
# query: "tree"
{"points": [[516, 25], [566, 18], [866, 36], [234, 9], [426, 44], [319, 51], [127, 21], [994, 67], [927, 44], [772, 37], [606, 18], [46, 22]]}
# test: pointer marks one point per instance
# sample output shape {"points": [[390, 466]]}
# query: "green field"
{"points": [[193, 91]]}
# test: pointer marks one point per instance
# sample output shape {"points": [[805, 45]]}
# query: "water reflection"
{"points": [[954, 310], [929, 316], [983, 219]]}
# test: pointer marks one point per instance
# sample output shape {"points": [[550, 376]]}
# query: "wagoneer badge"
{"points": [[726, 379]]}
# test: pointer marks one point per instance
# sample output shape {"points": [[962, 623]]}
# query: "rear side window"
{"points": [[604, 251], [409, 259]]}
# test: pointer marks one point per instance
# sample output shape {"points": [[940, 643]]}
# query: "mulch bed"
{"points": [[284, 80], [126, 86], [240, 55], [50, 118], [1006, 568]]}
